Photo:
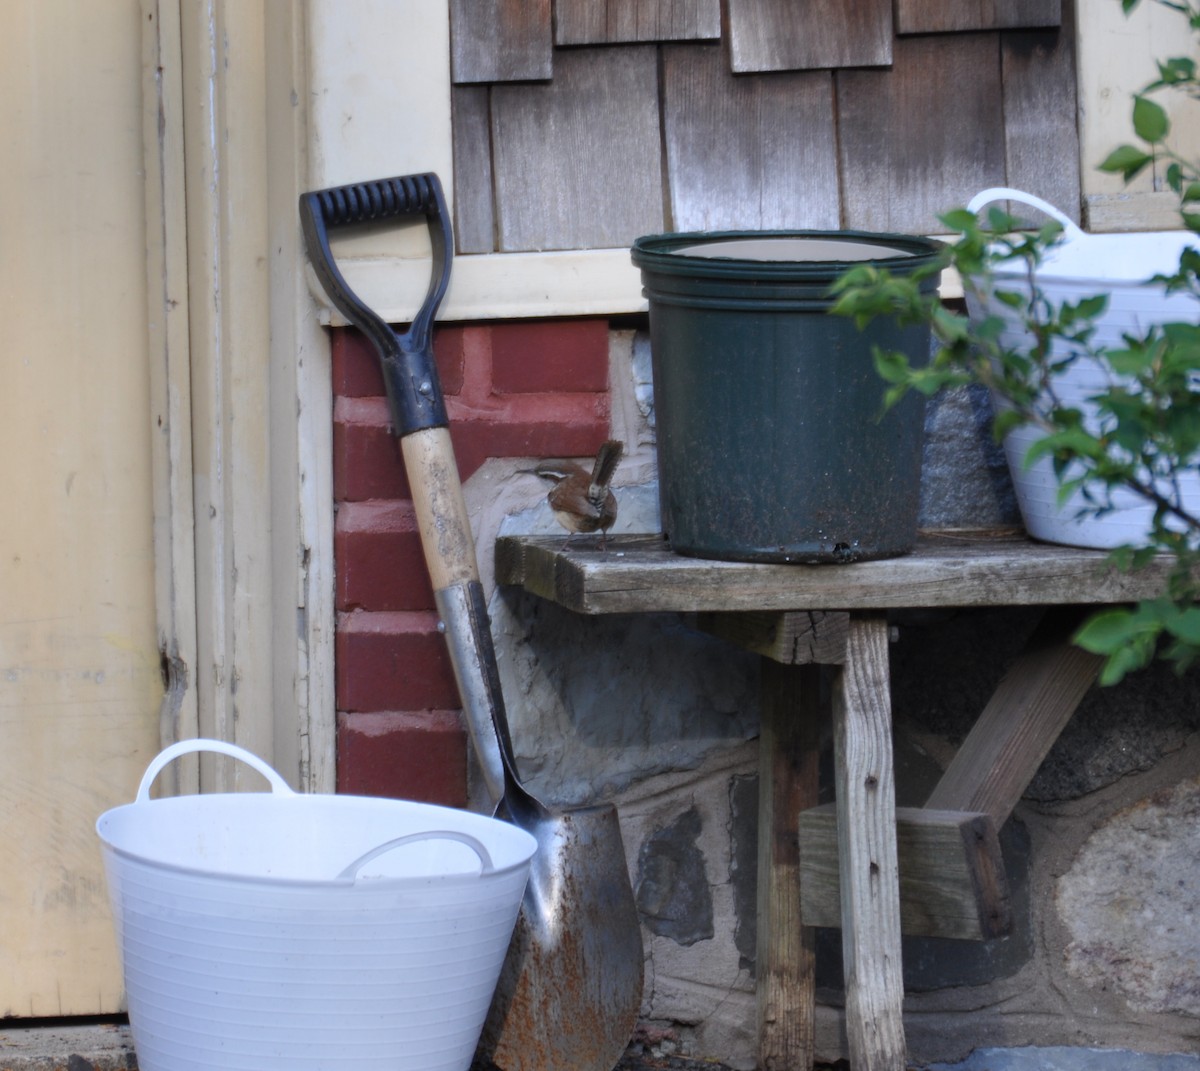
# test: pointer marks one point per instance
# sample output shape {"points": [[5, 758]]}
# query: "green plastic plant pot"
{"points": [[772, 445]]}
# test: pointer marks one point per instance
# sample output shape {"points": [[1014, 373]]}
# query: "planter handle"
{"points": [[1003, 193]]}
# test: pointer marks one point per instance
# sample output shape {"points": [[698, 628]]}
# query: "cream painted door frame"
{"points": [[241, 391]]}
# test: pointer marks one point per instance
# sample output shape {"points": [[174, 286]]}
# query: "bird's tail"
{"points": [[607, 458]]}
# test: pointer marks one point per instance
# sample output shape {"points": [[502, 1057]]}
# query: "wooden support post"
{"points": [[866, 803], [788, 750], [1030, 708]]}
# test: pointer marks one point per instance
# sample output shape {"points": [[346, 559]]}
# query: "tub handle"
{"points": [[1003, 193], [186, 747], [350, 873]]}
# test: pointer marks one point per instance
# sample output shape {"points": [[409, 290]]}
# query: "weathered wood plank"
{"points": [[956, 16], [578, 160], [867, 866], [474, 223], [747, 153], [1041, 138], [641, 573], [782, 35], [923, 137], [789, 749], [1029, 709], [500, 40], [608, 22], [795, 638], [952, 878]]}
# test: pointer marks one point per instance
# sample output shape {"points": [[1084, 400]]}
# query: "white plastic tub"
{"points": [[1119, 265], [264, 931]]}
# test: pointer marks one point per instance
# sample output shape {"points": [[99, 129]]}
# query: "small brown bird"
{"points": [[583, 501]]}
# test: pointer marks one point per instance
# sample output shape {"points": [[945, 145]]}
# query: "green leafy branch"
{"points": [[1144, 433]]}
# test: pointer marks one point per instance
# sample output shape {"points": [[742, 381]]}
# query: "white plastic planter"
{"points": [[264, 931], [1119, 265]]}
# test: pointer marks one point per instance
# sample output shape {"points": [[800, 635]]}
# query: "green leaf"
{"points": [[1127, 160], [1108, 631], [1185, 625], [1128, 5], [1150, 121]]}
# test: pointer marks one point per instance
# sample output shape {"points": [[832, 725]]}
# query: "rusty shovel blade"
{"points": [[570, 990]]}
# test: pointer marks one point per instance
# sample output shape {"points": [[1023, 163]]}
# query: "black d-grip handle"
{"points": [[409, 372]]}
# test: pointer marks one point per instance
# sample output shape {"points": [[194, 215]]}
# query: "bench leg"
{"points": [[788, 754], [866, 805]]}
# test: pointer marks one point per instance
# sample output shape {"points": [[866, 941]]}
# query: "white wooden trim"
{"points": [[510, 285], [302, 432], [1115, 56], [170, 379], [241, 384]]}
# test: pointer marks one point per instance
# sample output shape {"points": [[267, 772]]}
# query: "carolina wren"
{"points": [[582, 501]]}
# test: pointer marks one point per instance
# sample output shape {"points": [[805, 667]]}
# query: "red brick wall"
{"points": [[513, 389]]}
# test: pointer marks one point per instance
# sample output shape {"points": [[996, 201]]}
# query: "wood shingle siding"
{"points": [[474, 219], [783, 35], [747, 152], [923, 135], [500, 40], [814, 114], [606, 22], [957, 16], [1038, 68], [578, 160]]}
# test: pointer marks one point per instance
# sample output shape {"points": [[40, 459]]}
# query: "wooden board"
{"points": [[1041, 138], [474, 222], [952, 879], [868, 871], [640, 573], [500, 40], [1029, 709], [923, 137], [783, 35], [955, 16], [797, 638], [606, 22], [577, 160], [747, 153]]}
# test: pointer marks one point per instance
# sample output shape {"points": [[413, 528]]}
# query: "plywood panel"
{"points": [[922, 137], [1041, 139], [747, 153], [578, 160], [500, 40], [600, 22], [80, 679], [474, 222], [955, 16], [784, 35]]}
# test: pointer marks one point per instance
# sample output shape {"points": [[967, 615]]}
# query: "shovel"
{"points": [[571, 986]]}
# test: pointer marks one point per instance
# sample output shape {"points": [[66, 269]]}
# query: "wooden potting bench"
{"points": [[863, 864]]}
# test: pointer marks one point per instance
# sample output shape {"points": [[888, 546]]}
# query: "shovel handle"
{"points": [[407, 357]]}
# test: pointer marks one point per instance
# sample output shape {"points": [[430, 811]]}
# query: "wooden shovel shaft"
{"points": [[441, 510]]}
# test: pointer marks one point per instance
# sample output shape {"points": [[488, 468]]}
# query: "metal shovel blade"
{"points": [[570, 989]]}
